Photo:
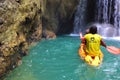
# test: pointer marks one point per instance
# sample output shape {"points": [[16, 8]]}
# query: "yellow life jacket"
{"points": [[93, 44]]}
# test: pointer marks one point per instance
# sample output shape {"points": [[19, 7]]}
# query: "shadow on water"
{"points": [[58, 60]]}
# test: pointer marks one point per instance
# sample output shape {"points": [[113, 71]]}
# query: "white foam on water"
{"points": [[112, 38], [108, 38], [116, 38], [73, 34]]}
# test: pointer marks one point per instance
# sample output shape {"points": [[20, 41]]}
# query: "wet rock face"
{"points": [[25, 21], [1, 22], [59, 15], [1, 1], [19, 21]]}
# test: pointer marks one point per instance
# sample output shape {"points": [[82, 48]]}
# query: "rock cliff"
{"points": [[58, 15], [20, 24], [23, 22]]}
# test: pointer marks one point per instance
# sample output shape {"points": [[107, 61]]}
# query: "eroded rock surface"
{"points": [[23, 22]]}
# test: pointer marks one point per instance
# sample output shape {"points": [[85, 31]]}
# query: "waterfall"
{"points": [[117, 15], [107, 14], [106, 30], [80, 17], [108, 11], [103, 11]]}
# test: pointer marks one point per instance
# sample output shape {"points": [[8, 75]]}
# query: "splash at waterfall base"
{"points": [[93, 61], [104, 29]]}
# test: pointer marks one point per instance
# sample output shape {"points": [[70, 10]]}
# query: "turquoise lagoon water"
{"points": [[58, 60]]}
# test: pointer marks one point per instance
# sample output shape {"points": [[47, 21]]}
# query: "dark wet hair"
{"points": [[93, 29]]}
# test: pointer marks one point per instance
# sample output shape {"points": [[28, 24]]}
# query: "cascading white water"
{"points": [[80, 17], [117, 15], [103, 11], [106, 30], [106, 12]]}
